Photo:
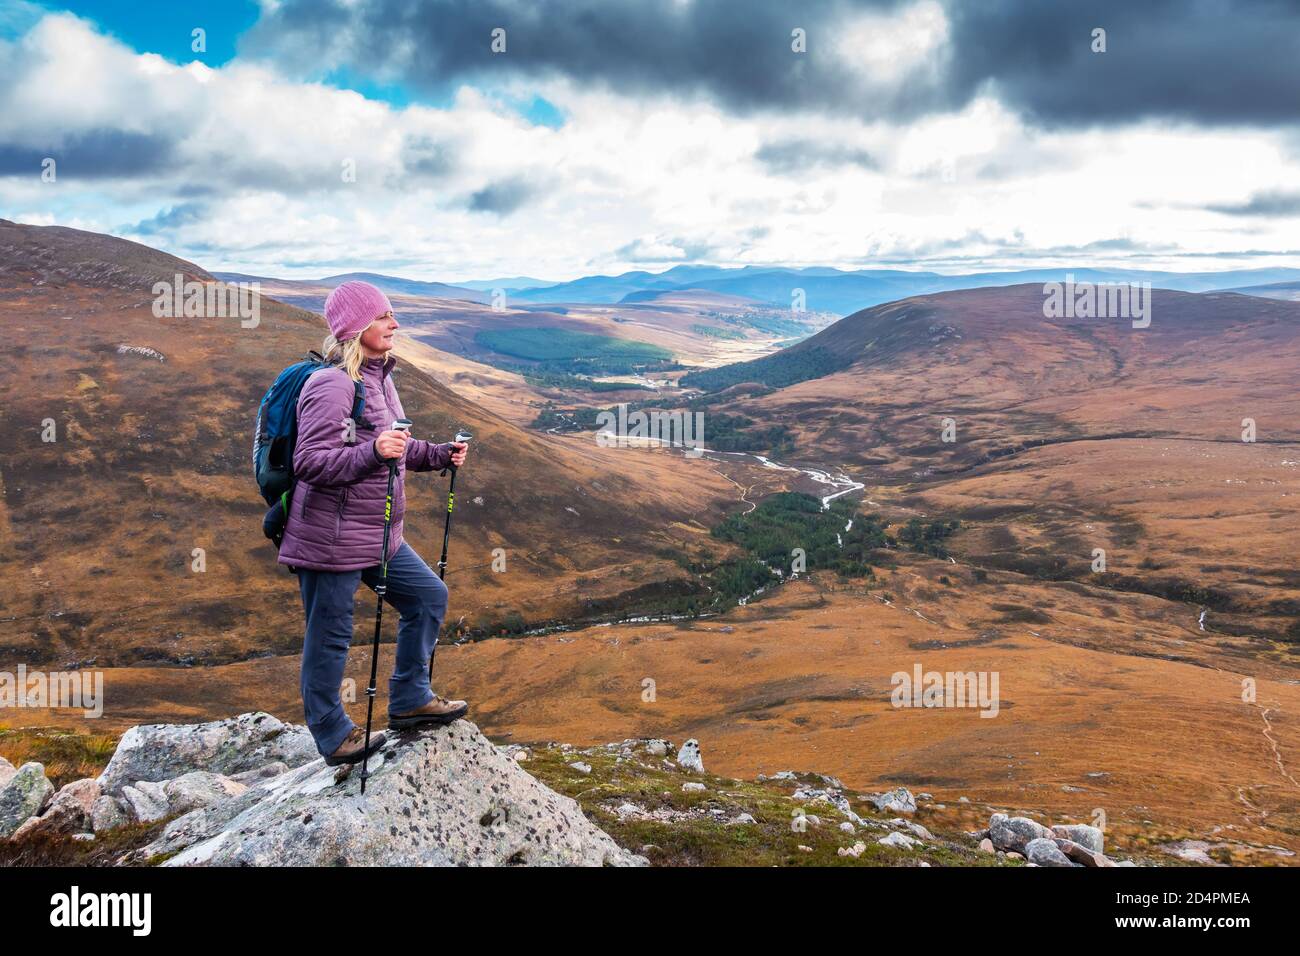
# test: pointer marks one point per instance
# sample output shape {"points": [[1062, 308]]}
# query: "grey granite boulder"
{"points": [[68, 812], [145, 802], [1043, 851], [898, 800], [436, 797], [26, 794], [1014, 833], [1082, 834], [156, 752]]}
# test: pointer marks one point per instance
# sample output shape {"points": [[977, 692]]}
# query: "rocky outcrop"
{"points": [[157, 752], [444, 796], [1073, 844]]}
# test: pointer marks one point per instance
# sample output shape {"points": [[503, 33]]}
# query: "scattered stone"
{"points": [[25, 795], [900, 840], [688, 758], [804, 849], [986, 845], [915, 828], [963, 800], [741, 819], [657, 748], [848, 827], [692, 787], [1193, 851], [829, 795], [898, 800], [578, 765], [7, 771], [854, 851]]}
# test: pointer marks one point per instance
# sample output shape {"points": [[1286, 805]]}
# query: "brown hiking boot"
{"points": [[353, 749], [436, 711]]}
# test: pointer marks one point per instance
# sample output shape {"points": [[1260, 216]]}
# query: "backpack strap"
{"points": [[358, 402]]}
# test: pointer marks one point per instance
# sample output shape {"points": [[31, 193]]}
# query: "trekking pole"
{"points": [[446, 529], [381, 588]]}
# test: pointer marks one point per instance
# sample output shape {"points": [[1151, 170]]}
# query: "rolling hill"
{"points": [[151, 423]]}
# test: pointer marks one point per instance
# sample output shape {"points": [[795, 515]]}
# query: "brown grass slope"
{"points": [[1009, 376], [1074, 434], [98, 529]]}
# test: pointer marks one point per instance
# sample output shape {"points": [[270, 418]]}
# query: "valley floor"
{"points": [[801, 680]]}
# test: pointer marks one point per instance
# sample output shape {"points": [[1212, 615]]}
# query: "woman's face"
{"points": [[377, 340]]}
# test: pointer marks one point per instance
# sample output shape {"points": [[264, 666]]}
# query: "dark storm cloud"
{"points": [[1206, 61], [1265, 204], [94, 154], [737, 51]]}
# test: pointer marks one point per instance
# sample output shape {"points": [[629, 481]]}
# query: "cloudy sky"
{"points": [[310, 137]]}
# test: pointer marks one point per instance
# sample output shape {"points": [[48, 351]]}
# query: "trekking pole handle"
{"points": [[463, 438], [399, 425]]}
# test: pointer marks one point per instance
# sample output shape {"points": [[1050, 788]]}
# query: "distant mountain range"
{"points": [[825, 289], [1287, 291]]}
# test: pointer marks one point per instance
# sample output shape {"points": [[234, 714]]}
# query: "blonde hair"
{"points": [[347, 354]]}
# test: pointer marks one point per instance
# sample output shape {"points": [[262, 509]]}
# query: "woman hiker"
{"points": [[335, 527]]}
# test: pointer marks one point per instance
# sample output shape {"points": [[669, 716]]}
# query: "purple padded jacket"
{"points": [[336, 516]]}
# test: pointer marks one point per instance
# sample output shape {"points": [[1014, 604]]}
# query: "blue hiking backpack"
{"points": [[277, 433]]}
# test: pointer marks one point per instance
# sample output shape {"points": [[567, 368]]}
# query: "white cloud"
{"points": [[258, 157]]}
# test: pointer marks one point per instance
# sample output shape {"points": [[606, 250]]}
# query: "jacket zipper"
{"points": [[338, 519]]}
